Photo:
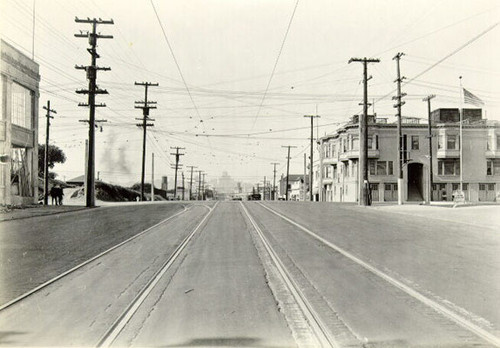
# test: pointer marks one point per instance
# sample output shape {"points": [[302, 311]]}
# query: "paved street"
{"points": [[268, 274]]}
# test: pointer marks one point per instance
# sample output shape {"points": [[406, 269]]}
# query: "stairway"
{"points": [[414, 193]]}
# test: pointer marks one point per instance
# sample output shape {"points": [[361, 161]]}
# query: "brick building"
{"points": [[18, 127], [338, 172]]}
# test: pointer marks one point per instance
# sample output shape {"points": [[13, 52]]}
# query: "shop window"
{"points": [[20, 175], [482, 187], [455, 187], [491, 187]]}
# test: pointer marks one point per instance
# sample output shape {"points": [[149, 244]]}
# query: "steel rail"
{"points": [[77, 267], [458, 319], [112, 333], [317, 326]]}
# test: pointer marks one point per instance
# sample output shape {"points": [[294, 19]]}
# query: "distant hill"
{"points": [[115, 193]]}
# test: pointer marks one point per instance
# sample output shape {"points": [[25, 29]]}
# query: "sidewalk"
{"points": [[15, 213], [487, 215]]}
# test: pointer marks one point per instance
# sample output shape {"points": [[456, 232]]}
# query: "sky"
{"points": [[236, 77]]}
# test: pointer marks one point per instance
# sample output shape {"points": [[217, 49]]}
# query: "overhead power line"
{"points": [[275, 63]]}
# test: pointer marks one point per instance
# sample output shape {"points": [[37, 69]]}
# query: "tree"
{"points": [[56, 155]]}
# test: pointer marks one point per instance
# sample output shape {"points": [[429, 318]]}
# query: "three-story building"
{"points": [[339, 159]]}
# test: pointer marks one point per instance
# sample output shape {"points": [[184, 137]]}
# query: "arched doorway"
{"points": [[415, 182]]}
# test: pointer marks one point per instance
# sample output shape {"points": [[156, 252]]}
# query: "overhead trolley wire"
{"points": [[275, 64], [177, 63]]}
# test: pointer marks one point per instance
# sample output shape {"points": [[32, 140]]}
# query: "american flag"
{"points": [[470, 98]]}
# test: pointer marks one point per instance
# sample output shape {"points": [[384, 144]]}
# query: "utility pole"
{"points": [[288, 168], [401, 155], [183, 185], [274, 181], [363, 139], [46, 155], [92, 90], [199, 185], [145, 105], [429, 135], [264, 195], [152, 177], [312, 117], [304, 192], [203, 187], [191, 183], [177, 156]]}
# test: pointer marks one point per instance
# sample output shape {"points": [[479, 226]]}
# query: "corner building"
{"points": [[19, 96], [338, 171]]}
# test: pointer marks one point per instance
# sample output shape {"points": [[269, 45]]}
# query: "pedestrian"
{"points": [[53, 194], [60, 194]]}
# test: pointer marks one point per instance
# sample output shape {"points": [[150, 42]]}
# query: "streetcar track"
{"points": [[114, 330], [316, 324], [449, 314], [80, 265]]}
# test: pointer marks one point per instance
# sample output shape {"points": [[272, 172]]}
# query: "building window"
{"points": [[381, 168], [371, 167], [452, 142], [493, 167], [498, 142], [355, 143], [21, 106], [491, 187], [441, 141], [449, 167], [414, 142]]}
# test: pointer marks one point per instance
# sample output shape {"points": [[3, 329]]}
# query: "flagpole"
{"points": [[461, 133]]}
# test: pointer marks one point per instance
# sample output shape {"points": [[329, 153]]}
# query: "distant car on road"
{"points": [[237, 199], [254, 197]]}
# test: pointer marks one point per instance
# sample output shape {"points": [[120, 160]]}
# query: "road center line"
{"points": [[413, 293]]}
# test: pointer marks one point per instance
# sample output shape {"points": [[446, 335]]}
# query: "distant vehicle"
{"points": [[254, 197], [237, 199]]}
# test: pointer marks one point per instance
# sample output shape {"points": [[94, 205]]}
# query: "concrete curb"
{"points": [[29, 216]]}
